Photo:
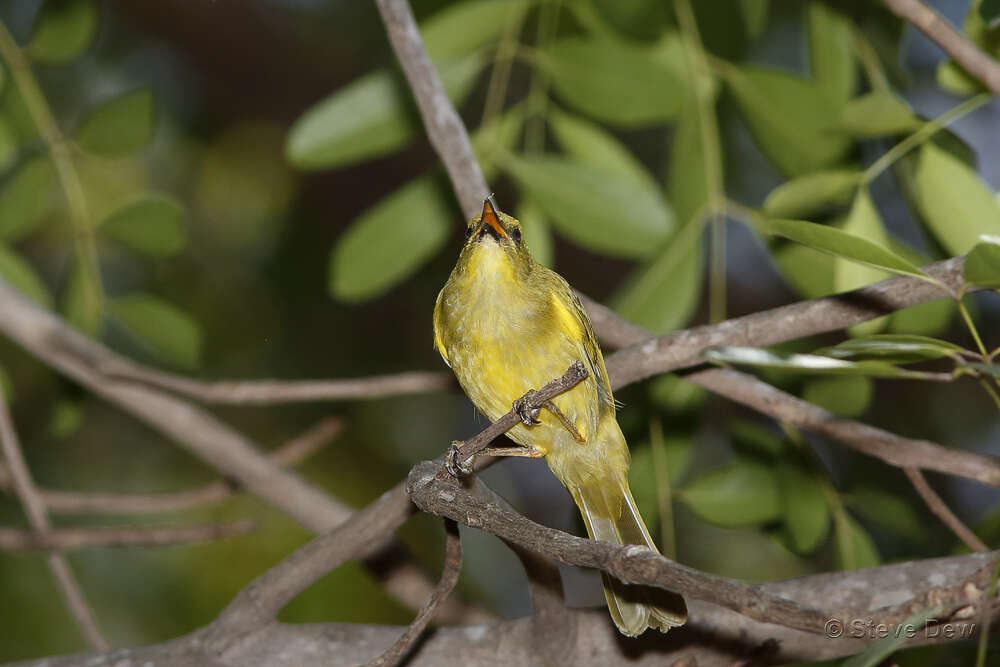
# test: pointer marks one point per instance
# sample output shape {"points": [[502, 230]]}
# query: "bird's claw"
{"points": [[524, 410], [454, 465]]}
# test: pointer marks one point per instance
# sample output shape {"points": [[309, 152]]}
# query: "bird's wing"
{"points": [[438, 343], [570, 311]]}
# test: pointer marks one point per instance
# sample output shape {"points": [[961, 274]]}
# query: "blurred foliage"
{"points": [[195, 205]]}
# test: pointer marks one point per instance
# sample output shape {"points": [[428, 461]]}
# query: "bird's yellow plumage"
{"points": [[506, 325]]}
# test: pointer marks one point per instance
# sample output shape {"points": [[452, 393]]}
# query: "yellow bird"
{"points": [[505, 325]]}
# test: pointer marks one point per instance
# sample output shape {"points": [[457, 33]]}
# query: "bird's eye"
{"points": [[468, 232], [516, 235]]}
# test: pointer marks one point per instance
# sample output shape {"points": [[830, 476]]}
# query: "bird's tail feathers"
{"points": [[633, 608]]}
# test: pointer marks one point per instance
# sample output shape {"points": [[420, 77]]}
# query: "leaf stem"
{"points": [[504, 60], [84, 244], [700, 81], [926, 131], [661, 471], [538, 94], [869, 59]]}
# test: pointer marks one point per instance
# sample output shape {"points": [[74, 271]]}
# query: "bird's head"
{"points": [[493, 236]]}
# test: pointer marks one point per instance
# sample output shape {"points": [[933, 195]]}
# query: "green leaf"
{"points": [[589, 74], [955, 203], [150, 225], [790, 117], [21, 276], [369, 117], [810, 363], [498, 135], [675, 394], [982, 266], [8, 143], [588, 143], [119, 126], [863, 223], [754, 13], [537, 233], [808, 271], [893, 348], [595, 207], [742, 493], [66, 418], [953, 78], [391, 240], [26, 197], [82, 301], [804, 506], [465, 27], [925, 319], [989, 12], [895, 636], [167, 332], [877, 114], [841, 244], [855, 548], [63, 30], [889, 511], [805, 195], [755, 440], [831, 51], [688, 186], [663, 294], [846, 396]]}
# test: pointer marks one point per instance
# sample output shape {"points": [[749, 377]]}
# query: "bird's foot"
{"points": [[525, 410], [454, 465]]}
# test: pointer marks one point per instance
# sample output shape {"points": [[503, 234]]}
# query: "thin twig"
{"points": [[271, 392], [444, 126], [462, 451], [888, 447], [81, 502], [937, 505], [640, 565], [34, 507], [972, 59], [449, 577], [12, 539]]}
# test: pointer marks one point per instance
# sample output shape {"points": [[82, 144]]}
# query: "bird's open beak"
{"points": [[490, 221]]}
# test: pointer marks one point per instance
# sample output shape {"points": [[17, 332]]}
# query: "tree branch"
{"points": [[965, 53], [444, 127], [942, 511], [81, 502], [449, 577], [34, 507], [640, 565], [271, 392], [214, 442], [647, 357], [64, 539]]}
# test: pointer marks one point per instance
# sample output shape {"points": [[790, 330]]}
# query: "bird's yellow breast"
{"points": [[505, 332]]}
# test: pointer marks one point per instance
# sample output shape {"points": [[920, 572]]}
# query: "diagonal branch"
{"points": [[972, 59], [937, 505], [444, 127], [12, 539], [34, 507], [220, 446], [271, 392], [449, 577], [82, 502]]}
